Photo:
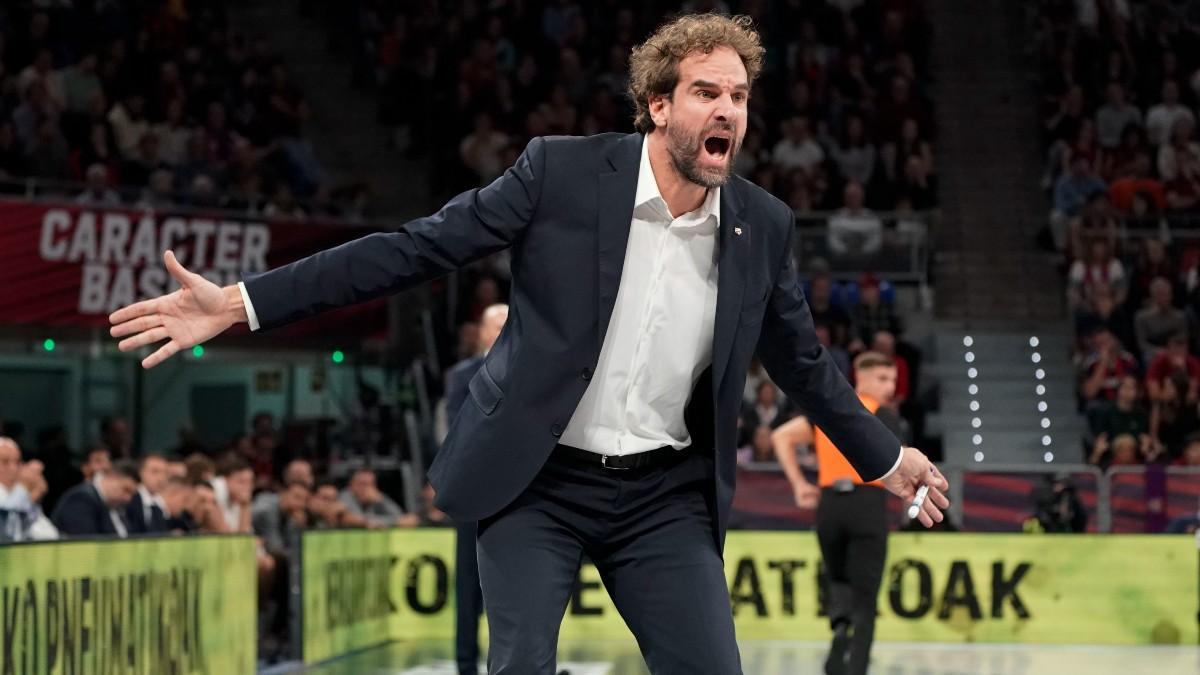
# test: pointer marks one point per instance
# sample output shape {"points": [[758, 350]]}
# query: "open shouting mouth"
{"points": [[717, 145]]}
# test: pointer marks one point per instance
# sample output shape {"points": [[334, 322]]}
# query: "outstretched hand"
{"points": [[914, 471], [198, 311]]}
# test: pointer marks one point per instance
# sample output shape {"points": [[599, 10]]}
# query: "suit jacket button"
{"points": [[586, 373], [556, 429]]}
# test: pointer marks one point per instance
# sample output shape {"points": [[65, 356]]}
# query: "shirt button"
{"points": [[586, 373], [556, 429]]}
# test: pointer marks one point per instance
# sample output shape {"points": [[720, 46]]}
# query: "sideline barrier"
{"points": [[146, 606], [363, 588]]}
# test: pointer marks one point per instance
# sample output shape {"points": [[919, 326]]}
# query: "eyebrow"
{"points": [[705, 84]]}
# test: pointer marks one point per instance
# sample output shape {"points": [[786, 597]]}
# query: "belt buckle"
{"points": [[604, 463]]}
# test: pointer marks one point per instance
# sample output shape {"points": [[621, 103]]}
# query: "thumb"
{"points": [[177, 271]]}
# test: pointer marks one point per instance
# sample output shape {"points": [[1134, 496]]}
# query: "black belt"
{"points": [[639, 460]]}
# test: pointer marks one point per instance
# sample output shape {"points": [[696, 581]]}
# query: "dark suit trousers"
{"points": [[852, 531], [649, 533], [468, 600]]}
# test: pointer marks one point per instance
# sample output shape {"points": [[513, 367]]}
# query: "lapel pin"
{"points": [[737, 231]]}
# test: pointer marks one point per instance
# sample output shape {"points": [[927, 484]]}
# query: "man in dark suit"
{"points": [[468, 595], [97, 507], [146, 512], [604, 419]]}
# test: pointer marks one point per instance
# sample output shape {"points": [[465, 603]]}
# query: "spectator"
{"points": [[129, 123], [1179, 156], [136, 170], [203, 514], [97, 192], [429, 514], [96, 507], [839, 355], [177, 496], [80, 83], [1171, 361], [1071, 192], [770, 408], [1172, 417], [1119, 161], [1162, 118], [911, 142], [797, 149], [299, 471], [1115, 116], [1100, 269], [158, 193], [1104, 367], [481, 149], [854, 230], [759, 449], [1123, 450], [855, 154], [1136, 181], [1152, 263], [22, 487], [872, 315], [363, 498], [233, 488], [98, 461], [1104, 312], [884, 342], [279, 517], [327, 511], [917, 186], [116, 436], [147, 513], [1159, 321], [1124, 416], [826, 312], [200, 469]]}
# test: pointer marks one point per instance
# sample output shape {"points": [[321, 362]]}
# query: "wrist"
{"points": [[235, 307]]}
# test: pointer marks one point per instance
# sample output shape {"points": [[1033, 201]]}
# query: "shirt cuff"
{"points": [[251, 317], [894, 466]]}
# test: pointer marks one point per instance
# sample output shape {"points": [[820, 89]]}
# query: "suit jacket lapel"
{"points": [[617, 186], [733, 249]]}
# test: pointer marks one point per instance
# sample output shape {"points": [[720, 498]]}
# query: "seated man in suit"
{"points": [[97, 507], [146, 513]]}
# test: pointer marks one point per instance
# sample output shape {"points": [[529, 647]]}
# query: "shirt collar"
{"points": [[648, 196]]}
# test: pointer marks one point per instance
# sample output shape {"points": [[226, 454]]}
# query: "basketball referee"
{"points": [[851, 516]]}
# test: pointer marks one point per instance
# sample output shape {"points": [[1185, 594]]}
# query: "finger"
{"points": [[136, 326], [924, 518], [162, 354], [937, 480], [144, 338], [134, 311], [177, 270], [938, 498], [932, 511]]}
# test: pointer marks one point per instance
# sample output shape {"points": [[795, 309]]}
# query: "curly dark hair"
{"points": [[654, 64]]}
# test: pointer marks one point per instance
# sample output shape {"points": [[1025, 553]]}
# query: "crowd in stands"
{"points": [[243, 488], [159, 105], [1121, 82], [838, 120]]}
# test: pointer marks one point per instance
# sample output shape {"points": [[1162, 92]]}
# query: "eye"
{"points": [[739, 97], [704, 93]]}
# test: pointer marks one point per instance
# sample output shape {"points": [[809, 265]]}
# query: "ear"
{"points": [[660, 106]]}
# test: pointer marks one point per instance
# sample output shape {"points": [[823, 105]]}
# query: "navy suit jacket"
{"points": [[458, 378], [135, 517], [565, 209], [80, 512]]}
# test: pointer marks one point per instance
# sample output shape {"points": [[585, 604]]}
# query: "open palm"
{"points": [[196, 312]]}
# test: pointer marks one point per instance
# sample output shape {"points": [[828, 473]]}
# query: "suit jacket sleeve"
{"points": [[796, 361], [474, 224]]}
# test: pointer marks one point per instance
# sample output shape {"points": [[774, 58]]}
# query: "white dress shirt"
{"points": [[659, 339]]}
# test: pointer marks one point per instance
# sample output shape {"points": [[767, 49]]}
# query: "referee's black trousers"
{"points": [[852, 531]]}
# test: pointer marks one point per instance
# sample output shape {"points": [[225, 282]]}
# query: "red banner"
{"points": [[72, 265]]}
